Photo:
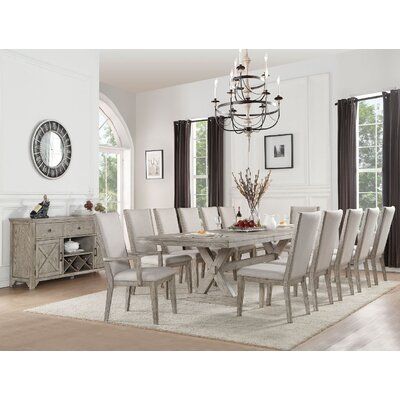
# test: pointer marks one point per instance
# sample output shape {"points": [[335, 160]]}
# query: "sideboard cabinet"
{"points": [[37, 249]]}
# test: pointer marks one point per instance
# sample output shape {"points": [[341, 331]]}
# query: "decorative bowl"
{"points": [[71, 246]]}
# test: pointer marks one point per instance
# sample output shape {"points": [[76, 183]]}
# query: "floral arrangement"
{"points": [[252, 189]]}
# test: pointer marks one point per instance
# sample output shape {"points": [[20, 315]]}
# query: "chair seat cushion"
{"points": [[168, 259], [149, 274], [263, 271]]}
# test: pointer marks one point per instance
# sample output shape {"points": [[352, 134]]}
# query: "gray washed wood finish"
{"points": [[216, 251], [37, 247]]}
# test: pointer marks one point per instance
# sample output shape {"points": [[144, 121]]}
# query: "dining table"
{"points": [[217, 249]]}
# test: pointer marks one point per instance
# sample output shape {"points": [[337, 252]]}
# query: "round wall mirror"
{"points": [[51, 149]]}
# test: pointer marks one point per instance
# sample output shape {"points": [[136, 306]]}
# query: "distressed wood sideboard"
{"points": [[37, 249]]}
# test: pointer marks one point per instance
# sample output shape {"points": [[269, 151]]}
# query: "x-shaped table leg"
{"points": [[214, 271]]}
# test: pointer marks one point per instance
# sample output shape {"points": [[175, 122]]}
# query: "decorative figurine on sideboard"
{"points": [[100, 208], [41, 210], [89, 206]]}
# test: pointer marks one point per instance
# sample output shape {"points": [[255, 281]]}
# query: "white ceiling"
{"points": [[142, 70]]}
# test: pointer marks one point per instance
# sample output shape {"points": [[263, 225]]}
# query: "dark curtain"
{"points": [[182, 163], [391, 171], [215, 138], [347, 145]]}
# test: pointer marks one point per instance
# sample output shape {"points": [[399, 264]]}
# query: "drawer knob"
{"points": [[49, 230], [79, 228]]}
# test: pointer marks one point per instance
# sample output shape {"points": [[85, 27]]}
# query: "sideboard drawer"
{"points": [[79, 228], [49, 230]]}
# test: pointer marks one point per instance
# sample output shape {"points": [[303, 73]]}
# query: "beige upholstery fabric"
{"points": [[112, 237], [167, 222], [228, 217], [189, 219], [381, 237], [167, 259], [139, 223], [148, 274], [296, 210], [367, 235], [209, 216], [264, 271]]}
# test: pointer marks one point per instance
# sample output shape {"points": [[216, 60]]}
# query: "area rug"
{"points": [[214, 316]]}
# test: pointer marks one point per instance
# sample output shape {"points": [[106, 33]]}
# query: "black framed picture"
{"points": [[278, 151], [154, 164]]}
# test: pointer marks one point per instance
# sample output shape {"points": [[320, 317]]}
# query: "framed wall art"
{"points": [[278, 151]]}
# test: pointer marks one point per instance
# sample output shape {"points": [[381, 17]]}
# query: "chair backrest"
{"points": [[112, 241], [167, 222], [382, 233], [367, 234], [351, 225], [228, 217], [189, 219], [209, 216], [140, 223], [296, 210], [322, 257], [303, 245]]}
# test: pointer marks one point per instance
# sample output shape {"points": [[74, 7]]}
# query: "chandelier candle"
{"points": [[250, 107]]}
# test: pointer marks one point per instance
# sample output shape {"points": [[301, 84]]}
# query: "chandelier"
{"points": [[250, 107]]}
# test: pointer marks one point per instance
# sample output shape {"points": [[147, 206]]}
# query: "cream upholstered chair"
{"points": [[378, 248], [364, 245], [294, 272], [345, 251], [167, 222], [322, 256], [118, 271], [296, 210], [139, 223], [210, 216]]}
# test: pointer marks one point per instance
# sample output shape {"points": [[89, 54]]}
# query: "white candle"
{"points": [[231, 80], [278, 81], [266, 66], [235, 66], [215, 88], [240, 56]]}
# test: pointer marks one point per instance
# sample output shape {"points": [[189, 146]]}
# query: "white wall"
{"points": [[36, 85], [310, 89]]}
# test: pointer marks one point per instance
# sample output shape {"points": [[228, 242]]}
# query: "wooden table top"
{"points": [[222, 238]]}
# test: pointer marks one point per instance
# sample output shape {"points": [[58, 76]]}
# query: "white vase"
{"points": [[269, 222]]}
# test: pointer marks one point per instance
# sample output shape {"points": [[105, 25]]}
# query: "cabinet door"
{"points": [[48, 258], [98, 259]]}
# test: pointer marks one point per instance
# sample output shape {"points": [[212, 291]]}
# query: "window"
{"points": [[369, 136], [110, 164], [199, 163]]}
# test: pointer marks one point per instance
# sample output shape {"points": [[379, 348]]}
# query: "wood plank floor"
{"points": [[374, 327]]}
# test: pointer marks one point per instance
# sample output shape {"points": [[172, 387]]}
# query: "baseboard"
{"points": [[4, 283]]}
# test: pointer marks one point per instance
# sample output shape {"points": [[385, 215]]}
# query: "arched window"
{"points": [[114, 159]]}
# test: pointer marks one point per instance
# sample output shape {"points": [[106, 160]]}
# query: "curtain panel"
{"points": [[182, 163], [347, 150], [391, 171], [215, 139]]}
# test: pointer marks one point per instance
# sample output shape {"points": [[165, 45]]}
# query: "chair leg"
{"points": [[305, 295], [350, 279], [328, 283], [357, 275], [133, 291], [338, 284], [154, 302], [295, 290], [383, 267], [269, 294], [172, 291], [374, 271], [367, 274], [128, 298], [167, 290], [234, 274], [110, 290], [261, 295], [317, 282], [181, 275], [314, 293], [188, 270], [286, 290], [240, 286]]}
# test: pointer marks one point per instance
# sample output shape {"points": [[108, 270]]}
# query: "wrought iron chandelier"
{"points": [[250, 107]]}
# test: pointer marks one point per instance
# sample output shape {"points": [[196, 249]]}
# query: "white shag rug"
{"points": [[214, 316]]}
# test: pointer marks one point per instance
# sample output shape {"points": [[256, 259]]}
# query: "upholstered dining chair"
{"points": [[322, 256], [139, 223], [167, 222], [378, 248], [210, 216], [118, 269], [294, 272], [364, 245], [345, 250], [296, 210]]}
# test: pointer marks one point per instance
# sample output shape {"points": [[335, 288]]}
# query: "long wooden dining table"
{"points": [[216, 251]]}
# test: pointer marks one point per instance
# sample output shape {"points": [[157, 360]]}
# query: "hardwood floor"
{"points": [[374, 327]]}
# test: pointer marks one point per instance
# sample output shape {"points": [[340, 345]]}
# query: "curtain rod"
{"points": [[366, 98]]}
